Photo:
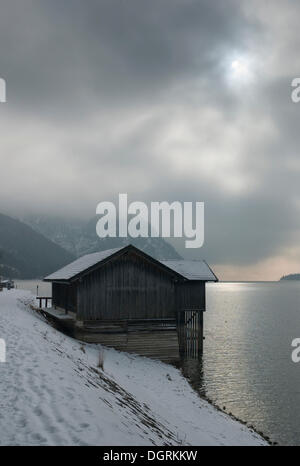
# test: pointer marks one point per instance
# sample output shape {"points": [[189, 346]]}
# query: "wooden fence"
{"points": [[190, 333]]}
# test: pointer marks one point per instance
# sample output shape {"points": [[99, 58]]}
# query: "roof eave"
{"points": [[56, 280], [120, 252], [216, 278]]}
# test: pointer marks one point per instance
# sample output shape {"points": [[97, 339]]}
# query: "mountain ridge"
{"points": [[80, 237], [25, 253], [291, 276]]}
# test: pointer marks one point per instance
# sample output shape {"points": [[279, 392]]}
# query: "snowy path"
{"points": [[53, 393]]}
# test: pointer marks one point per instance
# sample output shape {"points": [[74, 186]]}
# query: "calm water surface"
{"points": [[247, 364]]}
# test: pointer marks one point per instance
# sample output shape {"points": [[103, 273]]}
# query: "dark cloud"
{"points": [[139, 96], [110, 52]]}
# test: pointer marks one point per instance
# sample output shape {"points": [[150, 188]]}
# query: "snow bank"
{"points": [[53, 392]]}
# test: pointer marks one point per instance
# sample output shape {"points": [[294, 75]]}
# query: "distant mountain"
{"points": [[80, 237], [24, 253], [66, 233], [292, 276]]}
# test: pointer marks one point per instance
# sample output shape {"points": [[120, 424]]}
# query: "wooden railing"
{"points": [[45, 298]]}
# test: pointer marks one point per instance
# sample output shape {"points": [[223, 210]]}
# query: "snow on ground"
{"points": [[52, 392]]}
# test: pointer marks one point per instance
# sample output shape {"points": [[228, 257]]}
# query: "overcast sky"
{"points": [[184, 100]]}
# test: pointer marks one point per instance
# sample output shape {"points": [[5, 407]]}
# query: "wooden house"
{"points": [[126, 299]]}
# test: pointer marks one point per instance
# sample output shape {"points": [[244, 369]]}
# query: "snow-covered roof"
{"points": [[192, 270], [81, 264]]}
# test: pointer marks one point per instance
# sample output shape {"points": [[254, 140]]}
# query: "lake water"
{"points": [[37, 287], [247, 364]]}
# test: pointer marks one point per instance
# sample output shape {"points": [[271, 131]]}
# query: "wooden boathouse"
{"points": [[128, 300]]}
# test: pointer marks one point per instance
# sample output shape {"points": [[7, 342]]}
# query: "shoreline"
{"points": [[232, 416]]}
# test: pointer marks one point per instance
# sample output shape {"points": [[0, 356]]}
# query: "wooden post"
{"points": [[200, 335]]}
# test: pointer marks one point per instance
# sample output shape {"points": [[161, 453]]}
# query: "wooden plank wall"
{"points": [[126, 288], [190, 295], [64, 296], [154, 339]]}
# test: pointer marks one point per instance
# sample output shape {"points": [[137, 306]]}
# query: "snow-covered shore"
{"points": [[53, 392]]}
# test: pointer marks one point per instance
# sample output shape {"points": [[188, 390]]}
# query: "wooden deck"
{"points": [[59, 319], [57, 314]]}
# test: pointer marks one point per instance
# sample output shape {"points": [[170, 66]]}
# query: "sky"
{"points": [[165, 100]]}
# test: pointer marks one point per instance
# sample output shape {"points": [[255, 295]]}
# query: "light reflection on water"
{"points": [[247, 363]]}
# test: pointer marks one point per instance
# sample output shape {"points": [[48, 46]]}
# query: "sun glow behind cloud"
{"points": [[240, 70]]}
